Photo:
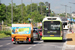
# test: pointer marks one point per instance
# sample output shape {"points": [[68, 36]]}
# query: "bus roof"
{"points": [[52, 18]]}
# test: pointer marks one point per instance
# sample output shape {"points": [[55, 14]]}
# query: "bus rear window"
{"points": [[55, 25]]}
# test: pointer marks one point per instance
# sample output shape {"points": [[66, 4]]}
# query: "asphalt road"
{"points": [[6, 44]]}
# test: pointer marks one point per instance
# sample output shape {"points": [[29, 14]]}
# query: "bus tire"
{"points": [[17, 42], [31, 41], [14, 42], [38, 39]]}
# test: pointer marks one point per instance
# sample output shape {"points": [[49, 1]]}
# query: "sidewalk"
{"points": [[71, 37]]}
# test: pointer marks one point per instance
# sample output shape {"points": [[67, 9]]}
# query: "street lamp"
{"points": [[71, 2], [65, 9], [70, 9]]}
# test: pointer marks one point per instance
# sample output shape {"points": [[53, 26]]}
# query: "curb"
{"points": [[69, 45], [65, 46]]}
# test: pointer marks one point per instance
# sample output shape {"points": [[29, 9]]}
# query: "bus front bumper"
{"points": [[52, 38]]}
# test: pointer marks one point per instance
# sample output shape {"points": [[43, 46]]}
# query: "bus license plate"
{"points": [[21, 39], [51, 35]]}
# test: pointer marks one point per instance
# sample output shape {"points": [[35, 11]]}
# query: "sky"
{"points": [[55, 5]]}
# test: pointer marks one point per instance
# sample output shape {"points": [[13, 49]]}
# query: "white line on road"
{"points": [[40, 42], [7, 43], [29, 47], [34, 45], [1, 45], [64, 46]]}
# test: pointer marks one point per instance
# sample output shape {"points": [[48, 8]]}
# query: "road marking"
{"points": [[7, 43], [1, 45], [29, 47], [53, 45], [34, 45], [40, 42]]}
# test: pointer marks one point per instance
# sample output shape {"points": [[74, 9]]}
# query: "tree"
{"points": [[46, 3], [36, 17], [41, 4], [2, 12]]}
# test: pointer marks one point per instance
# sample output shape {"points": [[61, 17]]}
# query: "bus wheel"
{"points": [[14, 42], [17, 42], [38, 39], [31, 41]]}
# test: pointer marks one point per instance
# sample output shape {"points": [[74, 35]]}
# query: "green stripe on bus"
{"points": [[51, 38]]}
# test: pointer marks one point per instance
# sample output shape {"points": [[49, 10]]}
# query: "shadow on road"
{"points": [[55, 41], [7, 38], [28, 43], [69, 39]]}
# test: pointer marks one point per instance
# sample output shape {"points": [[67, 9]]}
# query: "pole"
{"points": [[12, 11], [66, 10], [0, 1], [21, 10], [31, 5], [41, 9], [70, 9], [6, 15], [37, 7], [70, 19], [49, 9]]}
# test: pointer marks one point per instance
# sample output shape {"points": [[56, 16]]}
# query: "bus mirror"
{"points": [[64, 23]]}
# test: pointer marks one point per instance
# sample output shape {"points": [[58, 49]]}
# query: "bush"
{"points": [[4, 35], [9, 24], [1, 32], [6, 32]]}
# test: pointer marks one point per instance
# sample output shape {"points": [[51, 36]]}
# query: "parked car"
{"points": [[36, 34], [40, 32], [35, 28]]}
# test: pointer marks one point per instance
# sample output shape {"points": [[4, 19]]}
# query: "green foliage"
{"points": [[6, 32], [4, 35], [9, 24], [74, 18], [37, 14], [36, 17], [41, 4], [2, 12], [62, 15]]}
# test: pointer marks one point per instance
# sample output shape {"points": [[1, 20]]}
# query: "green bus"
{"points": [[52, 28]]}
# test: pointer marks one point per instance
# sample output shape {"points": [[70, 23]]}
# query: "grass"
{"points": [[2, 35]]}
